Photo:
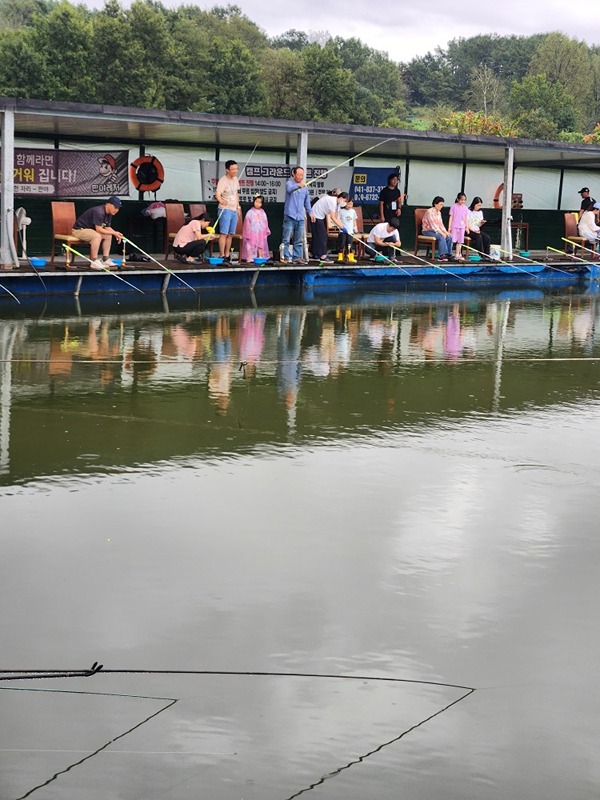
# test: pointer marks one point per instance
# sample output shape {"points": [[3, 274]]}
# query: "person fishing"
{"points": [[94, 227], [192, 239], [329, 204]]}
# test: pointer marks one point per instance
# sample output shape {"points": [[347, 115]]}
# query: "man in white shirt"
{"points": [[227, 196], [382, 236]]}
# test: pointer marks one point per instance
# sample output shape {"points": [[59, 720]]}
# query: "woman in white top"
{"points": [[327, 204], [587, 226], [479, 240]]}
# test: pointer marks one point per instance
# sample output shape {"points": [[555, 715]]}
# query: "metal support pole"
{"points": [[8, 185], [302, 150], [509, 161]]}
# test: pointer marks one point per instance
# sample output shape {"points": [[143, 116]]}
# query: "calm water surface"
{"points": [[245, 503]]}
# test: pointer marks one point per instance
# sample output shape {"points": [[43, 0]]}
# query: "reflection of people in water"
{"points": [[141, 359], [221, 367], [252, 338], [289, 369], [453, 342], [185, 344]]}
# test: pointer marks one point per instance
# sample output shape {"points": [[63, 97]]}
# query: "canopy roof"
{"points": [[135, 126]]}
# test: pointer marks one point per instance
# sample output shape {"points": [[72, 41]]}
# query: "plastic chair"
{"points": [[174, 220], [428, 242], [572, 234], [63, 219]]}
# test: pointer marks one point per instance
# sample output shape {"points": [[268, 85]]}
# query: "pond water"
{"points": [[341, 549]]}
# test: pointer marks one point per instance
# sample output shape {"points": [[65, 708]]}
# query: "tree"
{"points": [[120, 77], [475, 123], [19, 13], [235, 85], [21, 64], [63, 39], [284, 80], [535, 99], [429, 80], [292, 39], [562, 60], [331, 88], [485, 90]]}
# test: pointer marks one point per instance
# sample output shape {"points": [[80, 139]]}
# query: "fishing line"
{"points": [[505, 263], [322, 175], [105, 269], [531, 261], [23, 674], [162, 266], [429, 264]]}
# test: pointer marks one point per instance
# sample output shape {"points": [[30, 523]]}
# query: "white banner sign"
{"points": [[270, 179]]}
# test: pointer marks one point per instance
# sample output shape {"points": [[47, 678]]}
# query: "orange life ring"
{"points": [[147, 174], [497, 196]]}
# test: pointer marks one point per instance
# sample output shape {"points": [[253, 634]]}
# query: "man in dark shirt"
{"points": [[585, 194], [390, 199], [94, 226]]}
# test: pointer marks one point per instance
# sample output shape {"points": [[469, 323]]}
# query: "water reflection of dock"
{"points": [[170, 384]]}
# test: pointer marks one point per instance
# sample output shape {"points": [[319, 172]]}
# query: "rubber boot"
{"points": [[351, 258], [340, 257]]}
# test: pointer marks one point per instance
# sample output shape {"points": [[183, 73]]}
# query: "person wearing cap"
{"points": [[585, 195], [327, 205], [382, 236], [587, 226], [94, 227]]}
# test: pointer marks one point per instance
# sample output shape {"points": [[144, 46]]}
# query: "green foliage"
{"points": [[285, 83], [235, 86], [475, 123], [331, 88], [542, 108], [218, 60], [292, 40]]}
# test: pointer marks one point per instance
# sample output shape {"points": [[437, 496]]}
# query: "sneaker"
{"points": [[443, 258], [300, 262], [97, 264], [108, 262]]}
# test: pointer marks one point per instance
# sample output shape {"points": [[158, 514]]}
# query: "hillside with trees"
{"points": [[544, 86]]}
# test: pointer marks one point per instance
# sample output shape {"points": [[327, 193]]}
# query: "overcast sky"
{"points": [[404, 29]]}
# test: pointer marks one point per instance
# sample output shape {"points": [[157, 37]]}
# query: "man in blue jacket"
{"points": [[297, 206]]}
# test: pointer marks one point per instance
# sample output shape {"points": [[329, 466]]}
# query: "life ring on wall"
{"points": [[498, 196], [147, 174]]}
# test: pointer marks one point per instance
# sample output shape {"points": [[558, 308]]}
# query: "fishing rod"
{"points": [[505, 263], [587, 249], [389, 260], [531, 261], [162, 266], [429, 263], [8, 291], [105, 269], [341, 164], [569, 255]]}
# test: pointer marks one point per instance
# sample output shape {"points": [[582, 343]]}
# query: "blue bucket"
{"points": [[38, 263]]}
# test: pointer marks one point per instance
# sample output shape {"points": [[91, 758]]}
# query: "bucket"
{"points": [[495, 252]]}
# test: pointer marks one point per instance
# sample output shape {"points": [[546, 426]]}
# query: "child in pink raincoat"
{"points": [[459, 223], [255, 232]]}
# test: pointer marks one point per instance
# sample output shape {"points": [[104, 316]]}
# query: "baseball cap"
{"points": [[109, 160], [585, 189], [115, 201], [596, 205]]}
